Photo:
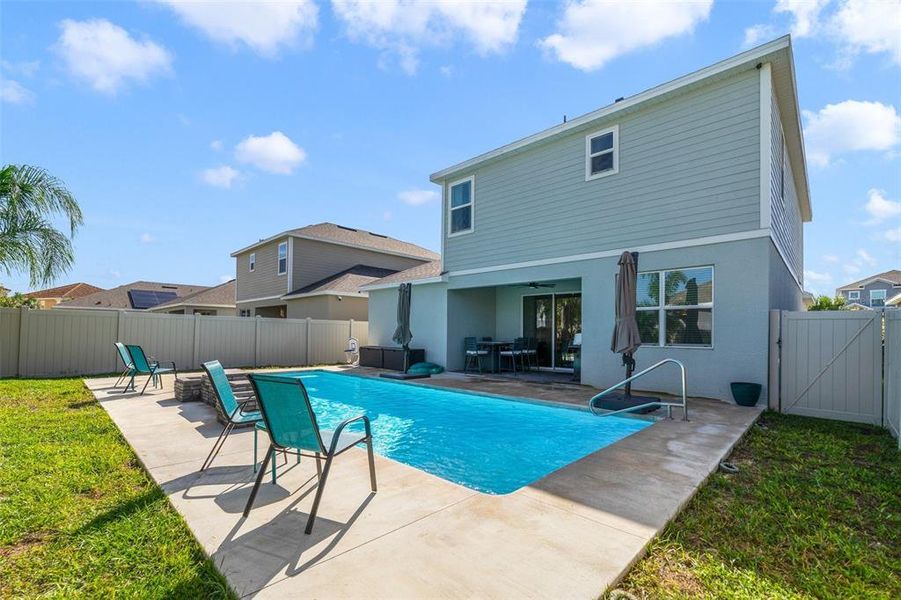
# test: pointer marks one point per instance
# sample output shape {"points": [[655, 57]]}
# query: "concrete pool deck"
{"points": [[568, 535]]}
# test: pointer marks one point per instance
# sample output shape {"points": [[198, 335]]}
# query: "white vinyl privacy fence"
{"points": [[843, 365], [58, 342]]}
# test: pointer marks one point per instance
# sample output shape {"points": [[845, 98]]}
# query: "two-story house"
{"points": [[703, 176], [317, 271], [876, 291]]}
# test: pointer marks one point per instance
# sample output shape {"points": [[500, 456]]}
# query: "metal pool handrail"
{"points": [[669, 405]]}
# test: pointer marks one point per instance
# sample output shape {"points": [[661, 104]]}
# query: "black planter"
{"points": [[745, 394]]}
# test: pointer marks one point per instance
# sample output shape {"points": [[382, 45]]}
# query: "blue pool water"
{"points": [[493, 445]]}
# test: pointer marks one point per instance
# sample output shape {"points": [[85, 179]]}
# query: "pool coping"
{"points": [[572, 533]]}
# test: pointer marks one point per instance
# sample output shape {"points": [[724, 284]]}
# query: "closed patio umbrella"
{"points": [[402, 334], [626, 338]]}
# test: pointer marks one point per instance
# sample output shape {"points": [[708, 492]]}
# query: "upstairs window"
{"points": [[460, 207], [877, 297], [602, 153], [283, 258], [675, 308], [854, 295], [252, 262]]}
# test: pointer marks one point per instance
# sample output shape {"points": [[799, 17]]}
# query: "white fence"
{"points": [[843, 365], [58, 342]]}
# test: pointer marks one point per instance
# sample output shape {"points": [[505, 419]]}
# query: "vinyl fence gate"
{"points": [[843, 365]]}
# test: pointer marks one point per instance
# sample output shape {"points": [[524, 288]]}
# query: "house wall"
{"points": [[314, 261], [428, 319], [470, 313], [785, 293], [786, 223], [265, 281], [509, 305], [688, 168], [891, 291], [329, 307]]}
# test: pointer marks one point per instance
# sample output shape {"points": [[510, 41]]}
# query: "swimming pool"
{"points": [[493, 445]]}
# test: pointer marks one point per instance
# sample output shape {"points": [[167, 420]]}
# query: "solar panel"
{"points": [[142, 299]]}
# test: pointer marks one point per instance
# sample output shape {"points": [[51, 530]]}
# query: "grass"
{"points": [[79, 516], [814, 512]]}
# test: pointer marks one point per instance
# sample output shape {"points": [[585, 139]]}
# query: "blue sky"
{"points": [[189, 130]]}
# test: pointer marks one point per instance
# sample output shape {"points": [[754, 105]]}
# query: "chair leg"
{"points": [[318, 465], [273, 465], [146, 383], [319, 489], [259, 480], [255, 448], [371, 465], [214, 451]]}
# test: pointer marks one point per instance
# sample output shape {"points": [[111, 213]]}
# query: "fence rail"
{"points": [[60, 342]]}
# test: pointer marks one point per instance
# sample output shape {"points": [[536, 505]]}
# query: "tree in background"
{"points": [[827, 303], [30, 200], [18, 300]]}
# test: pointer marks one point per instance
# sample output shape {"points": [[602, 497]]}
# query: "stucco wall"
{"points": [[428, 319]]}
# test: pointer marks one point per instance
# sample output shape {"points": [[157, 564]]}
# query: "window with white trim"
{"points": [[283, 258], [855, 295], [252, 262], [245, 312], [602, 153], [460, 206], [877, 297], [675, 307]]}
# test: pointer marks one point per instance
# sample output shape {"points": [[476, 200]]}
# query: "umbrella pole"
{"points": [[406, 357], [630, 367]]}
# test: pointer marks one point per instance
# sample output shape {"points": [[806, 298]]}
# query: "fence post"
{"points": [[196, 354], [775, 360], [20, 368], [309, 358], [120, 316], [256, 342]]}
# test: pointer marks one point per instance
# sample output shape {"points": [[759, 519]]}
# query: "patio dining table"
{"points": [[494, 347]]}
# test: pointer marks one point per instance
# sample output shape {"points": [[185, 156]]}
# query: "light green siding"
{"points": [[786, 212], [688, 167]]}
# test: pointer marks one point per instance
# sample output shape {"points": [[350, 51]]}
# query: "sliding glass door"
{"points": [[553, 320]]}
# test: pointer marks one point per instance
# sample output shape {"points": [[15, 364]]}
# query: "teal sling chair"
{"points": [[289, 420], [141, 366], [231, 408]]}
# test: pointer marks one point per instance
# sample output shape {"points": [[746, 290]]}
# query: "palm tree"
{"points": [[30, 200]]}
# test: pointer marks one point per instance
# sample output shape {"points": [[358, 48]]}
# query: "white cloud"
{"points": [[872, 26], [418, 197], [275, 153], [830, 258], [446, 70], [851, 269], [865, 257], [216, 145], [400, 28], [105, 56], [146, 238], [14, 92], [848, 126], [805, 13], [594, 32], [222, 177], [893, 235], [816, 277], [881, 208], [757, 34], [264, 27]]}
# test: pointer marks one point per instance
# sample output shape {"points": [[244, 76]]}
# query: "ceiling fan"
{"points": [[535, 285]]}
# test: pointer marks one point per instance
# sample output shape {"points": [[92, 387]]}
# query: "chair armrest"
{"points": [[344, 424]]}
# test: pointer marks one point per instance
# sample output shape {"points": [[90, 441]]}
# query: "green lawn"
{"points": [[815, 512], [79, 516]]}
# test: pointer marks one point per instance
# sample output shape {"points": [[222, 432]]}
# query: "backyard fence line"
{"points": [[61, 342]]}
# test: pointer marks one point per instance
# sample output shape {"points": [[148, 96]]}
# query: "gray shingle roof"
{"points": [[894, 276], [423, 271], [330, 232], [220, 295], [118, 296], [345, 282]]}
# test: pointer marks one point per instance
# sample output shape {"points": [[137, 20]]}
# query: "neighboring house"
{"points": [[704, 176], [317, 271], [875, 291], [215, 301], [138, 295], [51, 297]]}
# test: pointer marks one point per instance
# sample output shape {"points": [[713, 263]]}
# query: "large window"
{"points": [[283, 258], [675, 308], [461, 205], [602, 153], [877, 297]]}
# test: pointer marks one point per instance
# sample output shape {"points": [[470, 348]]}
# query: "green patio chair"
{"points": [[142, 366], [126, 360], [233, 410], [291, 424]]}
